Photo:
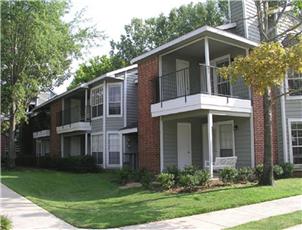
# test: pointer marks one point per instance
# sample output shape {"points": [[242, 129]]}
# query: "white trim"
{"points": [[227, 113], [227, 26], [121, 101], [246, 34], [283, 123], [126, 131], [207, 61], [107, 149], [195, 33], [161, 148], [104, 128], [252, 140], [41, 133], [76, 126], [210, 142], [290, 120], [93, 88], [125, 99]]}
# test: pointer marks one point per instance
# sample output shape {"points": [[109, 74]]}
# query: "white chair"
{"points": [[222, 162]]}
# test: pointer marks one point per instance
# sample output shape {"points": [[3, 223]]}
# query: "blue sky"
{"points": [[110, 16]]}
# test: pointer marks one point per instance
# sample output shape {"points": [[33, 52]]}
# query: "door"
{"points": [[184, 148], [182, 77]]}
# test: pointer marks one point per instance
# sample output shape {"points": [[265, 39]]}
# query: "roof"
{"points": [[202, 31], [85, 85]]}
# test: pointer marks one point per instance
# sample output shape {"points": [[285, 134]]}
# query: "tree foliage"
{"points": [[94, 68], [37, 48], [143, 35]]}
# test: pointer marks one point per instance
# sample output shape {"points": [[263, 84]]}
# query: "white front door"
{"points": [[184, 148], [182, 77]]}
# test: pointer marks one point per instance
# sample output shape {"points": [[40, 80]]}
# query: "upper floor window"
{"points": [[97, 98], [114, 99], [294, 82]]}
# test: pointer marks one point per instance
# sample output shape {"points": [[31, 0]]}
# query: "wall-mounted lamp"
{"points": [[235, 127]]}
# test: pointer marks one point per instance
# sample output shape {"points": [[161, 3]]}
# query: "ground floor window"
{"points": [[42, 147], [97, 147], [296, 141], [113, 149]]}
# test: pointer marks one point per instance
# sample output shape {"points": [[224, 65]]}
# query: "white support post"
{"points": [[86, 143], [252, 140], [210, 142], [121, 150], [161, 127], [62, 145], [207, 62], [85, 109]]}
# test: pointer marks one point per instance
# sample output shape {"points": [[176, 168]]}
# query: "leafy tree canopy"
{"points": [[143, 35], [94, 68]]}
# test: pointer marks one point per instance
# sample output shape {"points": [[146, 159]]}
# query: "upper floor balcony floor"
{"points": [[188, 79]]}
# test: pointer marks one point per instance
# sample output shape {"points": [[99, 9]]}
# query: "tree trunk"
{"points": [[12, 130], [267, 178]]}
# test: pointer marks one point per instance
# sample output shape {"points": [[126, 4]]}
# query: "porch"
{"points": [[197, 138]]}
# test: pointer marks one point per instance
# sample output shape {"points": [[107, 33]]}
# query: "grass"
{"points": [[5, 223], [94, 201], [273, 223]]}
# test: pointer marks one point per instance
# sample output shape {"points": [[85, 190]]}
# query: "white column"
{"points": [[161, 129], [207, 62], [121, 149], [86, 143], [210, 142], [62, 145], [252, 140], [85, 109], [104, 125]]}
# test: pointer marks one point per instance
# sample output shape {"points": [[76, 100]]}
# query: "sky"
{"points": [[110, 16]]}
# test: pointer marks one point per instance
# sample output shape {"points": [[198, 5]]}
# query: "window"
{"points": [[97, 147], [42, 147], [294, 82], [296, 141], [223, 84], [97, 97], [114, 99], [113, 149]]}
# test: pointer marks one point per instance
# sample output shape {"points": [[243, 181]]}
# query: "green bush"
{"points": [[278, 171], [166, 180], [26, 161], [175, 171], [145, 178], [259, 172], [188, 182], [245, 174], [125, 175], [202, 177], [189, 170], [288, 170], [6, 224], [228, 175]]}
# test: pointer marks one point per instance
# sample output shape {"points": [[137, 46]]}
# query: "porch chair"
{"points": [[222, 162]]}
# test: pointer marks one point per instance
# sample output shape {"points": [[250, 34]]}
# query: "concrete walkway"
{"points": [[227, 218], [26, 215]]}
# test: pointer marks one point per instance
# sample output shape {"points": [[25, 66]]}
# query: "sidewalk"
{"points": [[26, 215], [227, 218]]}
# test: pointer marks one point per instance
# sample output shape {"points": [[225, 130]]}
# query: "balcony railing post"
{"points": [[160, 91], [185, 84]]}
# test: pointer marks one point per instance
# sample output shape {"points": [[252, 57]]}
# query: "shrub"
{"points": [[288, 170], [245, 174], [26, 160], [278, 171], [189, 170], [124, 175], [175, 171], [145, 178], [228, 175], [202, 177], [166, 180], [259, 172], [6, 224], [188, 182]]}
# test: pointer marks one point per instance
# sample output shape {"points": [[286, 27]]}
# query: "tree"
{"points": [[94, 68], [265, 67], [37, 48], [143, 35]]}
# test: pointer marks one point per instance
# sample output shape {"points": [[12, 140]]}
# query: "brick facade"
{"points": [[148, 127], [55, 141]]}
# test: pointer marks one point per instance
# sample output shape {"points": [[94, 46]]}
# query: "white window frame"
{"points": [[120, 149], [215, 82], [291, 156], [96, 134], [107, 99], [94, 88], [217, 125], [290, 97]]}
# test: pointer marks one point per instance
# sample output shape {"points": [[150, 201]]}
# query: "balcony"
{"points": [[73, 120], [189, 89]]}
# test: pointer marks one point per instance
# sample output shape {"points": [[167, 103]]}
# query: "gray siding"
{"points": [[131, 98], [252, 22], [114, 123], [97, 125], [237, 16]]}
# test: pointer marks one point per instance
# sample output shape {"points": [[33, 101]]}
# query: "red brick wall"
{"points": [[55, 141], [148, 127], [258, 128]]}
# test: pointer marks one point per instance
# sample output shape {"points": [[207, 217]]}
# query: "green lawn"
{"points": [[94, 201], [273, 223]]}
